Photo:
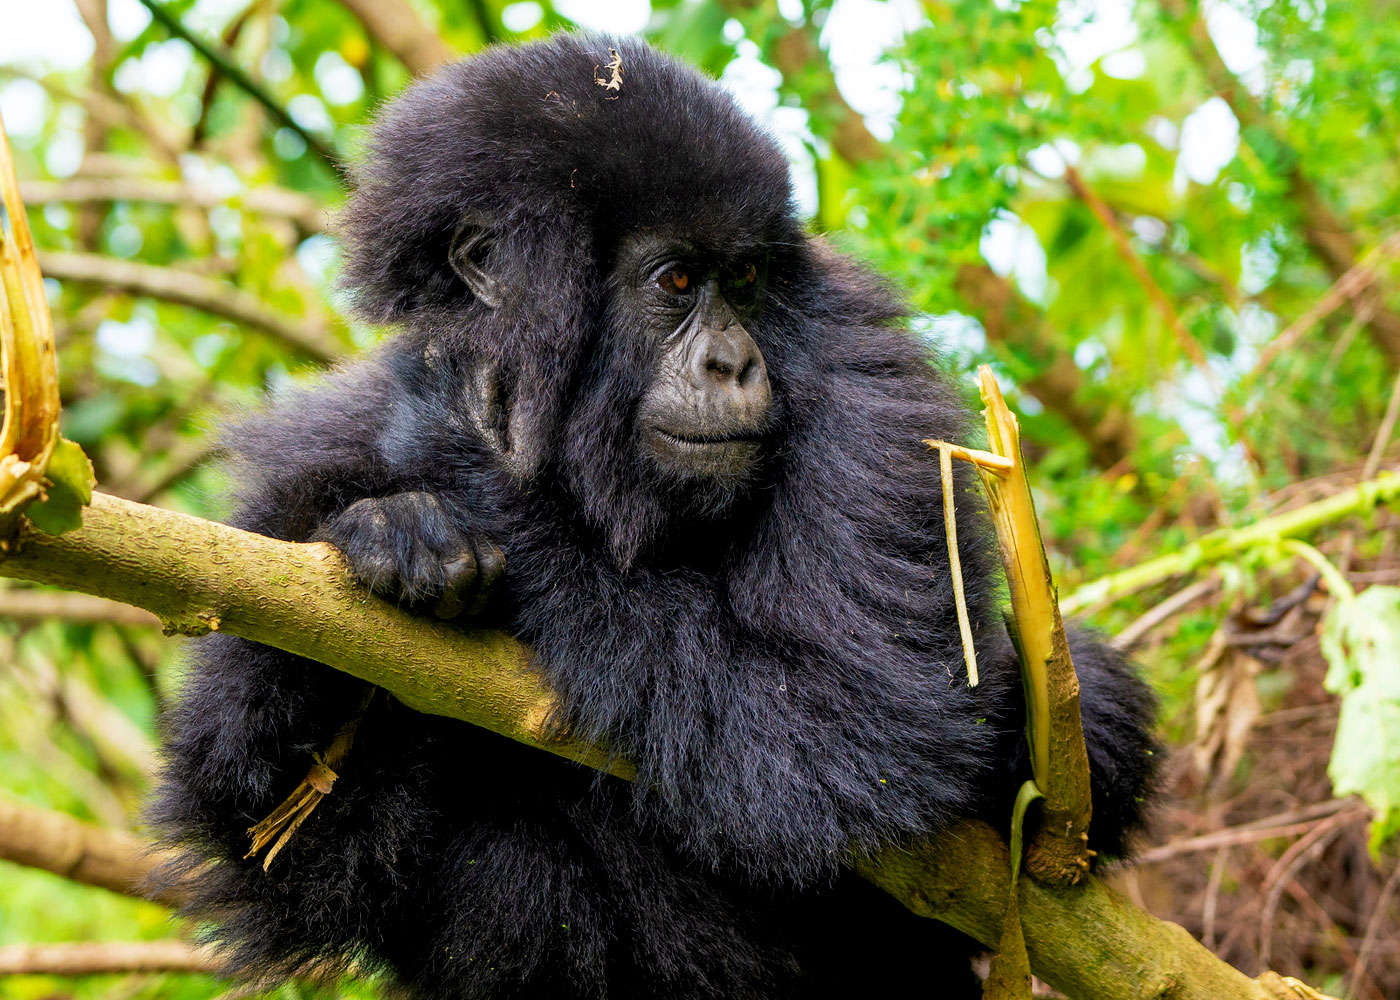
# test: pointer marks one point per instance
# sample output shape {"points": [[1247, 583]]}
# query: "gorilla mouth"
{"points": [[707, 440]]}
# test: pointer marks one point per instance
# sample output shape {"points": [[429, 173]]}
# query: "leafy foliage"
{"points": [[1361, 639]]}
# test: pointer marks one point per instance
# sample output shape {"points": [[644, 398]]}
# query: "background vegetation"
{"points": [[1171, 229]]}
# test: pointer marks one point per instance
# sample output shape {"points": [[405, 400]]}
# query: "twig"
{"points": [[1178, 602], [228, 66], [160, 138], [1159, 299], [229, 39], [1383, 432], [277, 828], [1326, 924], [1300, 853], [1373, 930], [1351, 284], [1248, 834], [950, 527], [89, 958], [123, 750], [1373, 463], [1212, 900], [307, 336]]}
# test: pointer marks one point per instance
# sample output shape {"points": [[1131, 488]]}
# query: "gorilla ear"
{"points": [[471, 243]]}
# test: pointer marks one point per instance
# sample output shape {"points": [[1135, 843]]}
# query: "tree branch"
{"points": [[93, 855], [32, 605], [306, 212], [396, 26], [197, 575], [1220, 545], [88, 958], [306, 336]]}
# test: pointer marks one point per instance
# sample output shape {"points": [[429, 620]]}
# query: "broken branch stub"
{"points": [[1060, 852], [30, 429]]}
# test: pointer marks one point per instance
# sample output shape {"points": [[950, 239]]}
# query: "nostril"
{"points": [[751, 373], [719, 366]]}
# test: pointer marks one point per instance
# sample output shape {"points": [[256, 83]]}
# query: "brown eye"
{"points": [[674, 281], [750, 273]]}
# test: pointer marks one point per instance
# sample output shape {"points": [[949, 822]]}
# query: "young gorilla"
{"points": [[674, 440]]}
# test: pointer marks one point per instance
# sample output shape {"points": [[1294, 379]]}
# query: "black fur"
{"points": [[783, 666]]}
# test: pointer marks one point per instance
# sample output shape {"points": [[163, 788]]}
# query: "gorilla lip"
{"points": [[708, 440]]}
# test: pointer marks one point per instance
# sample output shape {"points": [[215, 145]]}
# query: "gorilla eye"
{"points": [[749, 273], [675, 280]]}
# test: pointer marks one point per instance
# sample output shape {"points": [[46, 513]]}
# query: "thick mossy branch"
{"points": [[198, 575]]}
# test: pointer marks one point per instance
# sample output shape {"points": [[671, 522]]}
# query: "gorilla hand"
{"points": [[405, 548]]}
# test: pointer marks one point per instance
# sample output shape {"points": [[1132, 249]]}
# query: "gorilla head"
{"points": [[598, 268]]}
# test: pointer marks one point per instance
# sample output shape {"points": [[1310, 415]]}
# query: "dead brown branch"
{"points": [[89, 958], [1085, 193], [1172, 606], [94, 855], [31, 605], [307, 336], [308, 214], [397, 26], [1010, 320], [1347, 288], [1284, 825]]}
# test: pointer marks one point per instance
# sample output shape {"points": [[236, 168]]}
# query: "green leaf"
{"points": [[1361, 640], [70, 474], [1009, 977]]}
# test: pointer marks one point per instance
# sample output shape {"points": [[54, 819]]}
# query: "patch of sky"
{"points": [[160, 71], [619, 16], [24, 105], [521, 16], [754, 85], [123, 350], [340, 82], [1012, 249], [317, 255], [1210, 138]]}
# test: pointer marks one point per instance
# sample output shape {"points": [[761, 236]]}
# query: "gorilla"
{"points": [[637, 416]]}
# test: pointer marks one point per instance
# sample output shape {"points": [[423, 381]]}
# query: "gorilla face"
{"points": [[707, 400]]}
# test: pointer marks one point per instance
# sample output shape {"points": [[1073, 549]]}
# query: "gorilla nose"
{"points": [[732, 362]]}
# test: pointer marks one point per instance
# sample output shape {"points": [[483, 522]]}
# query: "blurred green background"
{"points": [[1171, 228]]}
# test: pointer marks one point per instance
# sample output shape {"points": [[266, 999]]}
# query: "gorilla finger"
{"points": [[459, 579], [491, 566], [376, 571]]}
